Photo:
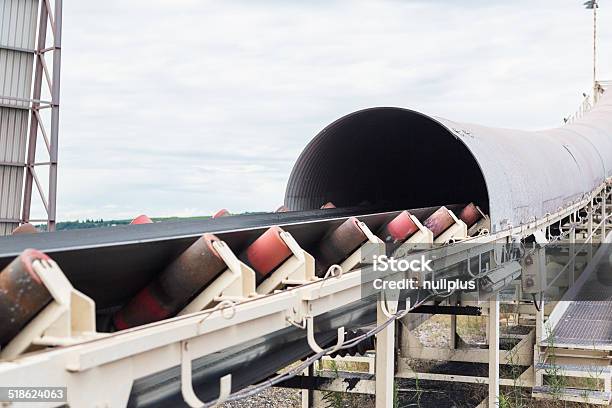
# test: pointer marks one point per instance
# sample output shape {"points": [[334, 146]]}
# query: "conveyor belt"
{"points": [[111, 264]]}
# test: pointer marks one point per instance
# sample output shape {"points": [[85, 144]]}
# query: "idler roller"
{"points": [[338, 245], [282, 209], [398, 229], [141, 219], [470, 215], [175, 287], [266, 253], [26, 228], [22, 294], [439, 221], [221, 213]]}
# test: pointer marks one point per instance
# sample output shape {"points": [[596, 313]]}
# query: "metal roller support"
{"points": [[439, 221], [26, 228], [174, 287], [141, 219], [398, 230], [22, 294], [470, 215], [267, 252], [337, 245]]}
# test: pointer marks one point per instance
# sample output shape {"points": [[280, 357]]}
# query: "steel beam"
{"points": [[494, 351]]}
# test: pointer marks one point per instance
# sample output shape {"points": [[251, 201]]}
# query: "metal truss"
{"points": [[50, 16]]}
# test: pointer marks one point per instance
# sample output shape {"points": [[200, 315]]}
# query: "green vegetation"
{"points": [[87, 223]]}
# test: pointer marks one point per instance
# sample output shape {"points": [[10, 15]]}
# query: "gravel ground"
{"points": [[270, 398]]}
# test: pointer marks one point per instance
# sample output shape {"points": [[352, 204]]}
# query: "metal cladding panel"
{"points": [[18, 21], [16, 69], [13, 133], [18, 25], [523, 175], [530, 174]]}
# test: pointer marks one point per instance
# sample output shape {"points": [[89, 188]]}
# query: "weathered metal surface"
{"points": [[18, 20], [267, 252], [184, 278], [397, 230], [514, 176], [439, 221], [26, 228], [22, 294], [221, 213], [337, 245], [141, 219], [470, 214]]}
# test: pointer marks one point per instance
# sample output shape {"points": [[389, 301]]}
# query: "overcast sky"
{"points": [[183, 107]]}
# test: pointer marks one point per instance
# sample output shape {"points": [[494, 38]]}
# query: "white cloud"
{"points": [[185, 107]]}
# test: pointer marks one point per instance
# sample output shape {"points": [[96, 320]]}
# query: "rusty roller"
{"points": [[175, 287], [22, 294], [338, 245], [266, 253], [141, 219], [470, 214], [26, 228], [439, 221], [282, 209], [221, 213], [398, 229]]}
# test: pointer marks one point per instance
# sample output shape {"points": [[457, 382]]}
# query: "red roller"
{"points": [[398, 229], [338, 245], [175, 287], [439, 221], [221, 213], [328, 205], [22, 294], [141, 219], [267, 253], [282, 209], [470, 215], [26, 228]]}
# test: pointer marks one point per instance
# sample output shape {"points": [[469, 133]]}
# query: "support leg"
{"points": [[572, 251], [494, 351], [453, 325], [603, 214], [590, 231], [385, 361]]}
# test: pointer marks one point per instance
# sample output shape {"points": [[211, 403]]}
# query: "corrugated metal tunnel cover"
{"points": [[398, 158]]}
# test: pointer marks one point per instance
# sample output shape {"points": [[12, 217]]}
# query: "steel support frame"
{"points": [[52, 18]]}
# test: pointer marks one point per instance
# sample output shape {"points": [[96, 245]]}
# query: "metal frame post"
{"points": [[590, 230], [385, 359], [572, 248], [603, 213], [494, 351], [52, 79], [453, 324]]}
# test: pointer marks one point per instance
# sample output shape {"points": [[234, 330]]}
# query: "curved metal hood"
{"points": [[397, 156]]}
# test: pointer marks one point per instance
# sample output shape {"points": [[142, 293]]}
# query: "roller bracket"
{"points": [[236, 283], [68, 319], [455, 232], [423, 237], [297, 270], [356, 257]]}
